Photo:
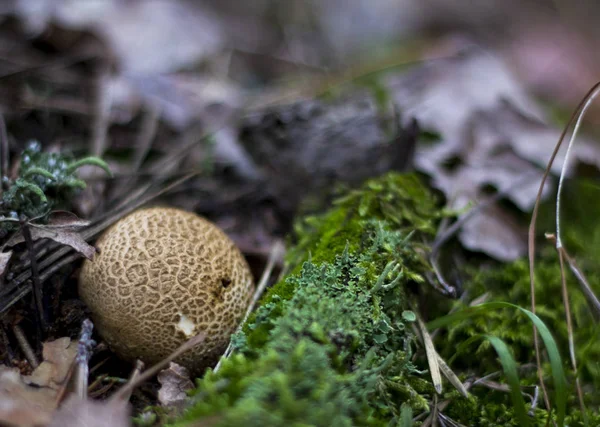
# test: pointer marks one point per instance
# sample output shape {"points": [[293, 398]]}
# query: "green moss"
{"points": [[511, 283], [332, 343], [394, 201]]}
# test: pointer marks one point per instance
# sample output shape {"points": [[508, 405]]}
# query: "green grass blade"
{"points": [[509, 365], [558, 374], [406, 415]]}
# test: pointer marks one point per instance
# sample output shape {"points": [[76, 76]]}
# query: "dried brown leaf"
{"points": [[31, 400], [22, 404], [60, 235], [58, 359], [66, 220], [175, 382], [493, 134], [76, 412], [496, 233]]}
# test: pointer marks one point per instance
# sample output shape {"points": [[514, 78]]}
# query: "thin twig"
{"points": [[569, 319], [3, 151], [37, 284], [149, 373], [85, 345], [275, 255], [25, 347], [137, 370]]}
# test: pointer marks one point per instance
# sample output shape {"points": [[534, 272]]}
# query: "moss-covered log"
{"points": [[332, 343]]}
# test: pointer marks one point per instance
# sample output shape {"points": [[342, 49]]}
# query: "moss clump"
{"points": [[331, 344]]}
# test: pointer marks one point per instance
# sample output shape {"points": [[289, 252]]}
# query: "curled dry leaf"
{"points": [[31, 400], [22, 404], [66, 220], [175, 382]]}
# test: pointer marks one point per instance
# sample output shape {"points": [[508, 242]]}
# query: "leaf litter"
{"points": [[492, 133]]}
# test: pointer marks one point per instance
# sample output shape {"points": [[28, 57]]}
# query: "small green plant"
{"points": [[46, 181]]}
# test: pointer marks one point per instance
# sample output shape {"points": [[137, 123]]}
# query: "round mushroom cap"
{"points": [[163, 275]]}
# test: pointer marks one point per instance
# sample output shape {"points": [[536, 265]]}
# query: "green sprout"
{"points": [[46, 181]]}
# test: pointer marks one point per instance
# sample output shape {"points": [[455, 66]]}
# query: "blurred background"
{"points": [[272, 102]]}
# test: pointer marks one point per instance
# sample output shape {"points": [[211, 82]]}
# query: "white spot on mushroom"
{"points": [[185, 325]]}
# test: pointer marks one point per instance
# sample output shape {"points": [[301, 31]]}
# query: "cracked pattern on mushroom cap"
{"points": [[162, 276]]}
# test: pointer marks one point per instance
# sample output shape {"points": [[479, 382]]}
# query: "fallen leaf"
{"points": [[66, 220], [495, 233], [76, 412], [58, 359], [175, 382], [31, 400], [21, 404], [136, 31], [59, 235]]}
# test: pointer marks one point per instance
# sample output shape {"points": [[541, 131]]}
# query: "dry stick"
{"points": [[143, 143], [101, 120], [37, 284], [559, 243], [85, 346], [79, 370], [137, 370], [531, 236], [583, 282], [3, 150], [276, 254], [25, 347], [149, 373], [565, 295]]}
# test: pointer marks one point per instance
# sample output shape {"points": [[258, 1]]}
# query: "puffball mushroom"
{"points": [[163, 275]]}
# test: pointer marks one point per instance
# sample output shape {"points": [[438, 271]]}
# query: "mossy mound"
{"points": [[332, 343]]}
